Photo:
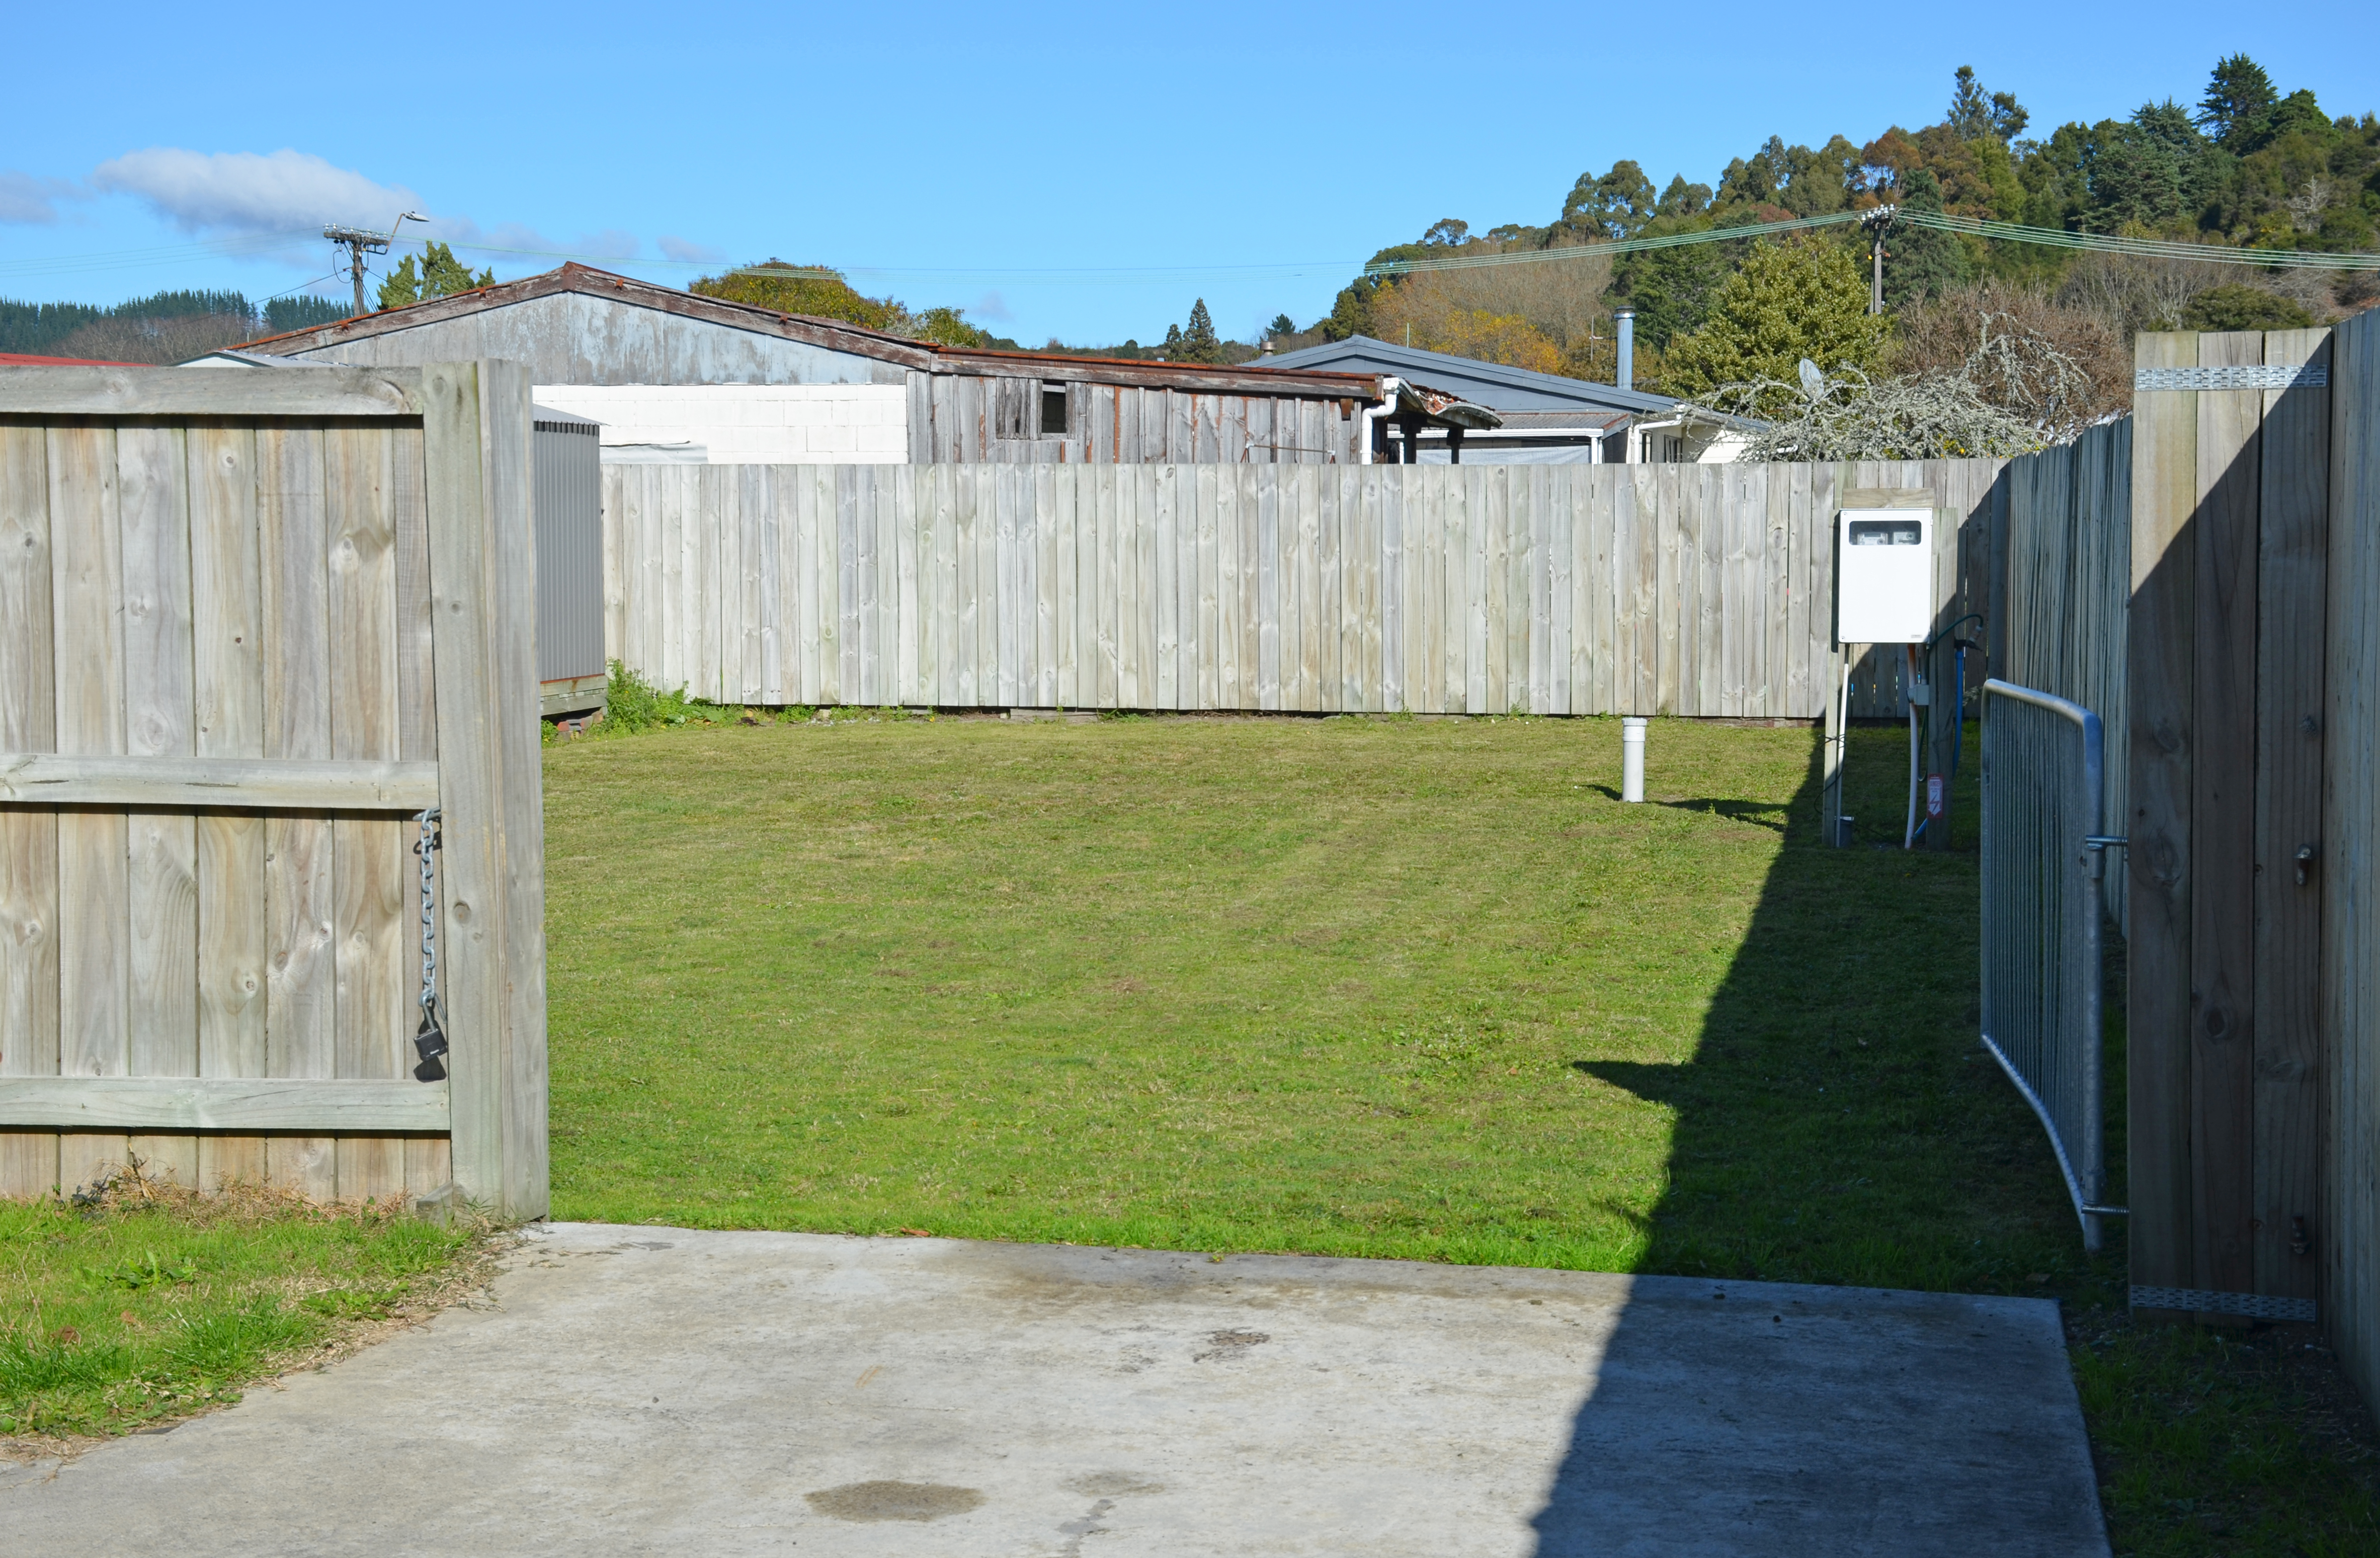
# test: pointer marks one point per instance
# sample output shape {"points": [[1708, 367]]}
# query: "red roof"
{"points": [[24, 360]]}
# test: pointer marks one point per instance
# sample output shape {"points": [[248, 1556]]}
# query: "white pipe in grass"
{"points": [[1916, 701], [1631, 759]]}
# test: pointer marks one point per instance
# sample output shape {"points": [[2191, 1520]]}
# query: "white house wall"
{"points": [[749, 424]]}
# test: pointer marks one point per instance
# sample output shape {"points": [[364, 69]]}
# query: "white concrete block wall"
{"points": [[750, 424]]}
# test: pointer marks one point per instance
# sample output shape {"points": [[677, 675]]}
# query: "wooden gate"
{"points": [[251, 625]]}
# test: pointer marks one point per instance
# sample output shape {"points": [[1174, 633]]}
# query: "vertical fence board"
{"points": [[29, 840], [2350, 854], [2159, 1021], [2222, 846], [2291, 628], [368, 853], [227, 651], [161, 946], [301, 993]]}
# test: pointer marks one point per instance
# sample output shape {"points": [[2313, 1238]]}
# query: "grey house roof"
{"points": [[1487, 383]]}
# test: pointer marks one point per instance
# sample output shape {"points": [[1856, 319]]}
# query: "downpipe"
{"points": [[1389, 388]]}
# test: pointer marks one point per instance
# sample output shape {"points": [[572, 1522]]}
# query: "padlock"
{"points": [[432, 1043]]}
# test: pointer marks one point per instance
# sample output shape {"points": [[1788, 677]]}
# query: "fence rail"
{"points": [[1685, 589], [2043, 857]]}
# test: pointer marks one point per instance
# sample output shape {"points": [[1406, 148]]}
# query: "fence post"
{"points": [[477, 441]]}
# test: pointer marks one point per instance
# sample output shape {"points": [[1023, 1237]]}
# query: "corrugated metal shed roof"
{"points": [[832, 335], [1489, 384]]}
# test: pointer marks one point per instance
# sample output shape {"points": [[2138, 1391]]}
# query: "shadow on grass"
{"points": [[1760, 813], [1839, 1124]]}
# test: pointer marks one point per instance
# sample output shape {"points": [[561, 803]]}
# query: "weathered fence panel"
{"points": [[248, 626], [2060, 615], [1679, 589], [2347, 863]]}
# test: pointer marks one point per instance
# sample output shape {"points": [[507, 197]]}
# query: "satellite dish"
{"points": [[1813, 382]]}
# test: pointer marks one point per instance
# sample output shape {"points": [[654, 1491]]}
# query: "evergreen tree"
{"points": [[1614, 206], [1198, 342], [441, 276], [1281, 325], [302, 311], [2239, 97], [1681, 198], [1978, 115], [1790, 301], [1921, 263], [2234, 306], [1672, 289]]}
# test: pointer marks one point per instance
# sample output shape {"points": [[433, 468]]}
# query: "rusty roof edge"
{"points": [[834, 335]]}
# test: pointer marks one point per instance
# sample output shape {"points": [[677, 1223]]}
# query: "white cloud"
{"points": [[687, 250], [248, 192], [24, 197], [991, 305], [526, 242]]}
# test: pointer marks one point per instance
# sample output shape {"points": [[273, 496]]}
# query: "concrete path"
{"points": [[657, 1390]]}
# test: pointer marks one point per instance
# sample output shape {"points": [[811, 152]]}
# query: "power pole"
{"points": [[360, 241], [1877, 222]]}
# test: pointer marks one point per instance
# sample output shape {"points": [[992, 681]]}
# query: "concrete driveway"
{"points": [[658, 1390]]}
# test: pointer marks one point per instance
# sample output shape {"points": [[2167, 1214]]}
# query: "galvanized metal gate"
{"points": [[2043, 857]]}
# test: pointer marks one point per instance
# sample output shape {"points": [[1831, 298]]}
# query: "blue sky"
{"points": [[1055, 169]]}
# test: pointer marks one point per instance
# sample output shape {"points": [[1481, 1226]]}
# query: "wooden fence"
{"points": [[249, 625], [2348, 1009], [1671, 588], [2064, 592], [2252, 826]]}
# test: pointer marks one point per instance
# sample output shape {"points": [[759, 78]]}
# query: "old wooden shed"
{"points": [[715, 367]]}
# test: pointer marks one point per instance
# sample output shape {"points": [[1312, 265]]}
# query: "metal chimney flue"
{"points": [[1625, 377]]}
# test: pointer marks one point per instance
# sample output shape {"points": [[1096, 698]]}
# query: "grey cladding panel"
{"points": [[569, 550]]}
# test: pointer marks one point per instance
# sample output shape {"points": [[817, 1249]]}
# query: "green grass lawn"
{"points": [[1403, 988], [148, 1303], [1391, 988]]}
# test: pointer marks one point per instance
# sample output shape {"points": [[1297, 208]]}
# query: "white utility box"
{"points": [[1884, 575]]}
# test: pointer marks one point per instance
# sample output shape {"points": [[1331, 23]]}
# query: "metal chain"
{"points": [[428, 844]]}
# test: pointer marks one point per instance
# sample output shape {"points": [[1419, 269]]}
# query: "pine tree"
{"points": [[1921, 263], [2239, 98], [1199, 342]]}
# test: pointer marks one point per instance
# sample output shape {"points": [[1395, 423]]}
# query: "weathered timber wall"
{"points": [[1697, 591], [957, 419]]}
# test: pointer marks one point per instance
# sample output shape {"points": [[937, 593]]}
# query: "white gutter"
{"points": [[1389, 388], [1635, 428]]}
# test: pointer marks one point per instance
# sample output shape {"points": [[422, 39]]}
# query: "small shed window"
{"points": [[1053, 410]]}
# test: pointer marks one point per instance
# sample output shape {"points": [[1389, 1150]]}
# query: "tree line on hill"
{"points": [[164, 327], [2251, 168]]}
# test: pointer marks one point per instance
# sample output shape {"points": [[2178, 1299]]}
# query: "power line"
{"points": [[2009, 232]]}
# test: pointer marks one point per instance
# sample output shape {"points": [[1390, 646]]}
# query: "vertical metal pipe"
{"points": [[1624, 375]]}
